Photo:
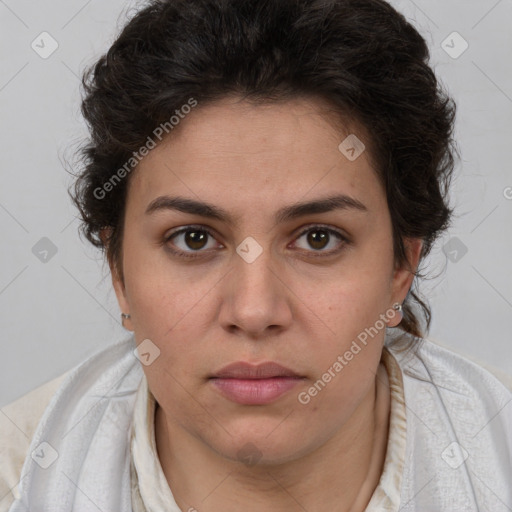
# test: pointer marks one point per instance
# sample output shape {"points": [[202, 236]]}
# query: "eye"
{"points": [[190, 239], [322, 240]]}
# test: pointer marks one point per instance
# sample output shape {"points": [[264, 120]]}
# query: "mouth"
{"points": [[248, 384]]}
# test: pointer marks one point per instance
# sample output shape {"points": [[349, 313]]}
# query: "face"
{"points": [[253, 265]]}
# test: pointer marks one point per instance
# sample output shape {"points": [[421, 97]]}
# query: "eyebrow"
{"points": [[294, 211]]}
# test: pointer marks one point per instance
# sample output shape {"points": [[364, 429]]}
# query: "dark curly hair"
{"points": [[362, 56]]}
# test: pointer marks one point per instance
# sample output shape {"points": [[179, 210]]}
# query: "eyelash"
{"points": [[196, 254]]}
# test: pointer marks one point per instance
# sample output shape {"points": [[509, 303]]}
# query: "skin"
{"points": [[287, 306]]}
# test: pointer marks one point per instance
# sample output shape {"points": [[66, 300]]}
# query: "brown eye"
{"points": [[323, 240], [318, 239], [190, 240], [195, 239]]}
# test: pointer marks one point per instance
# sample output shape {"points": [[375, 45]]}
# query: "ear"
{"points": [[404, 276], [117, 280]]}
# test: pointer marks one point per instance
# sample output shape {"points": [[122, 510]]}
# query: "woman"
{"points": [[265, 179]]}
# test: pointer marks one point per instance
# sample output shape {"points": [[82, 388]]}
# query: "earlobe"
{"points": [[397, 315], [124, 318], [122, 300]]}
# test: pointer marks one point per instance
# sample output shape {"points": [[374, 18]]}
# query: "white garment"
{"points": [[100, 422], [87, 424]]}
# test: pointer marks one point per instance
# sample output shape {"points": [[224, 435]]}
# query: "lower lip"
{"points": [[255, 391]]}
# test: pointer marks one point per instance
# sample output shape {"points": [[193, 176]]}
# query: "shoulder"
{"points": [[504, 378], [428, 359], [459, 429], [446, 388], [470, 370], [448, 391], [18, 422]]}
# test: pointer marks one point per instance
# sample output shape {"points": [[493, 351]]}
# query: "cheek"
{"points": [[351, 299], [341, 394], [351, 309], [164, 298], [344, 364], [173, 311]]}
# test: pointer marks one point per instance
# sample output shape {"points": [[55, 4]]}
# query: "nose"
{"points": [[256, 299]]}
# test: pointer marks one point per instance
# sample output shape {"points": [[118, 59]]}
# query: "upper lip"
{"points": [[245, 370]]}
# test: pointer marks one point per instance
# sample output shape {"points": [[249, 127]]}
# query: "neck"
{"points": [[340, 475]]}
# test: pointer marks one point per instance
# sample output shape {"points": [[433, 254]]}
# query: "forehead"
{"points": [[235, 151]]}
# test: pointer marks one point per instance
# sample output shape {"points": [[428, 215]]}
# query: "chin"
{"points": [[259, 445]]}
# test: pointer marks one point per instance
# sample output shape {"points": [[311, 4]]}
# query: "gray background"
{"points": [[55, 313]]}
